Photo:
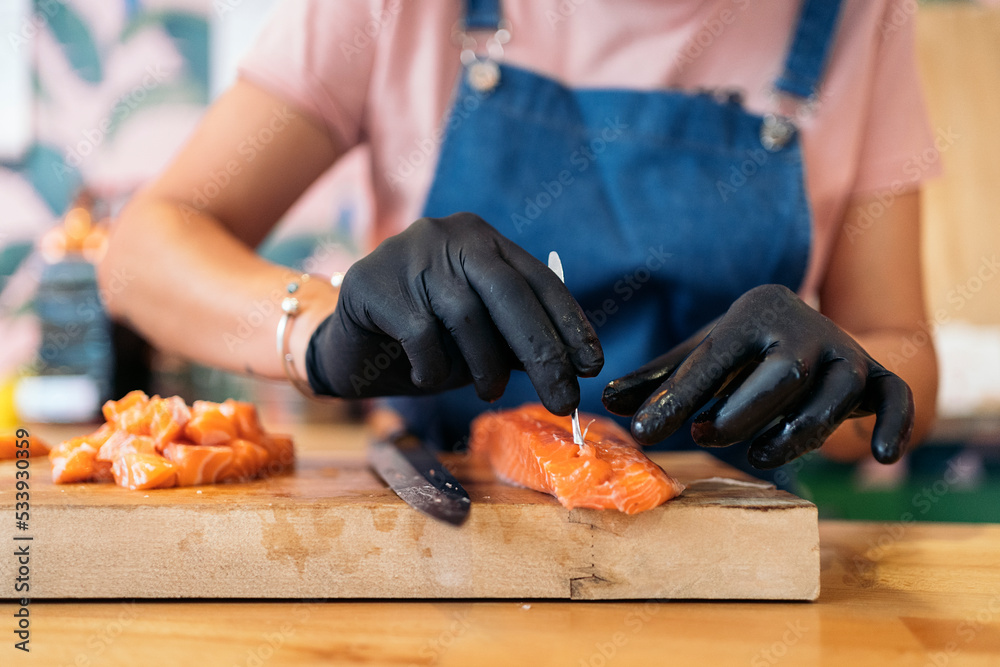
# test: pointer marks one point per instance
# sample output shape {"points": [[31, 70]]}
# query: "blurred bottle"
{"points": [[72, 375]]}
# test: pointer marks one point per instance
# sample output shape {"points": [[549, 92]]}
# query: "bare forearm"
{"points": [[873, 290], [186, 276], [190, 287], [910, 355]]}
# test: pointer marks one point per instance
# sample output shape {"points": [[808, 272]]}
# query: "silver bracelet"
{"points": [[290, 308]]}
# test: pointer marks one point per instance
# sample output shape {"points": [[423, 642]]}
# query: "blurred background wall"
{"points": [[959, 56]]}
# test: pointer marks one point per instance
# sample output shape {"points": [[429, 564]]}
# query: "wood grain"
{"points": [[899, 594], [331, 529]]}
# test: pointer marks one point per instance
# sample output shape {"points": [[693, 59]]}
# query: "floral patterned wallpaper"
{"points": [[117, 87]]}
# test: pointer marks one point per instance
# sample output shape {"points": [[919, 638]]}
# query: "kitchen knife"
{"points": [[555, 265], [419, 478]]}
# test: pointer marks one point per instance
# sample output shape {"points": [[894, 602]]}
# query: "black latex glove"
{"points": [[770, 357], [447, 302]]}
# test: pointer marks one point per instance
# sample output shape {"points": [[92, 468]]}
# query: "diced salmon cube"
{"points": [[168, 417], [208, 425], [112, 409], [122, 443], [67, 446], [135, 470], [9, 448], [244, 415], [199, 464], [281, 451], [102, 472], [101, 435], [72, 461], [135, 420], [248, 460]]}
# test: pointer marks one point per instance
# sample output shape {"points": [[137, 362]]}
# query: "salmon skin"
{"points": [[531, 447], [157, 443]]}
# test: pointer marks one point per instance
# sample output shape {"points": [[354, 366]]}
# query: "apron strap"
{"points": [[810, 48], [482, 14]]}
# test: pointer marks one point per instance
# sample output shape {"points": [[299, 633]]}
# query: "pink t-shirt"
{"points": [[382, 72]]}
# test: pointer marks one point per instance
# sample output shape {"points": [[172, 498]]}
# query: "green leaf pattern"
{"points": [[45, 165]]}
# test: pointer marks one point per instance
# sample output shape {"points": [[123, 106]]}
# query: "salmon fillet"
{"points": [[156, 443], [531, 447]]}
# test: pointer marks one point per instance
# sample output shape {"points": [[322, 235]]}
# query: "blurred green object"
{"points": [[291, 251], [55, 181], [189, 33], [11, 257], [74, 37], [294, 250], [930, 492]]}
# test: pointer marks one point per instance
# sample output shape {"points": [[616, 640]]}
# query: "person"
{"points": [[733, 190]]}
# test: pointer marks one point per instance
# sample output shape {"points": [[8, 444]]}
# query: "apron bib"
{"points": [[664, 206]]}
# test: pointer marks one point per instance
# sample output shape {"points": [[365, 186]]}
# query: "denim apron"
{"points": [[664, 206]]}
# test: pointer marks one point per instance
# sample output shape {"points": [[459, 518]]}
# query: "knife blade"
{"points": [[555, 265], [418, 478]]}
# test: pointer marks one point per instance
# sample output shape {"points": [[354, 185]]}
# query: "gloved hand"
{"points": [[447, 302], [786, 377]]}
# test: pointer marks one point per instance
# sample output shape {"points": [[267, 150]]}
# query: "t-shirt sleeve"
{"points": [[318, 55], [898, 148]]}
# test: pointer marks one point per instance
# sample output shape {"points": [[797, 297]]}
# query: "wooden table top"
{"points": [[892, 594]]}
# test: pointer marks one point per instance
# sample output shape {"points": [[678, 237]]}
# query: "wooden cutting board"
{"points": [[330, 529]]}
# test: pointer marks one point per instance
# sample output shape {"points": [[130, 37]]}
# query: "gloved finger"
{"points": [[624, 395], [735, 380], [565, 313], [890, 398], [423, 340], [481, 345], [836, 393], [527, 329], [780, 378], [724, 351]]}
